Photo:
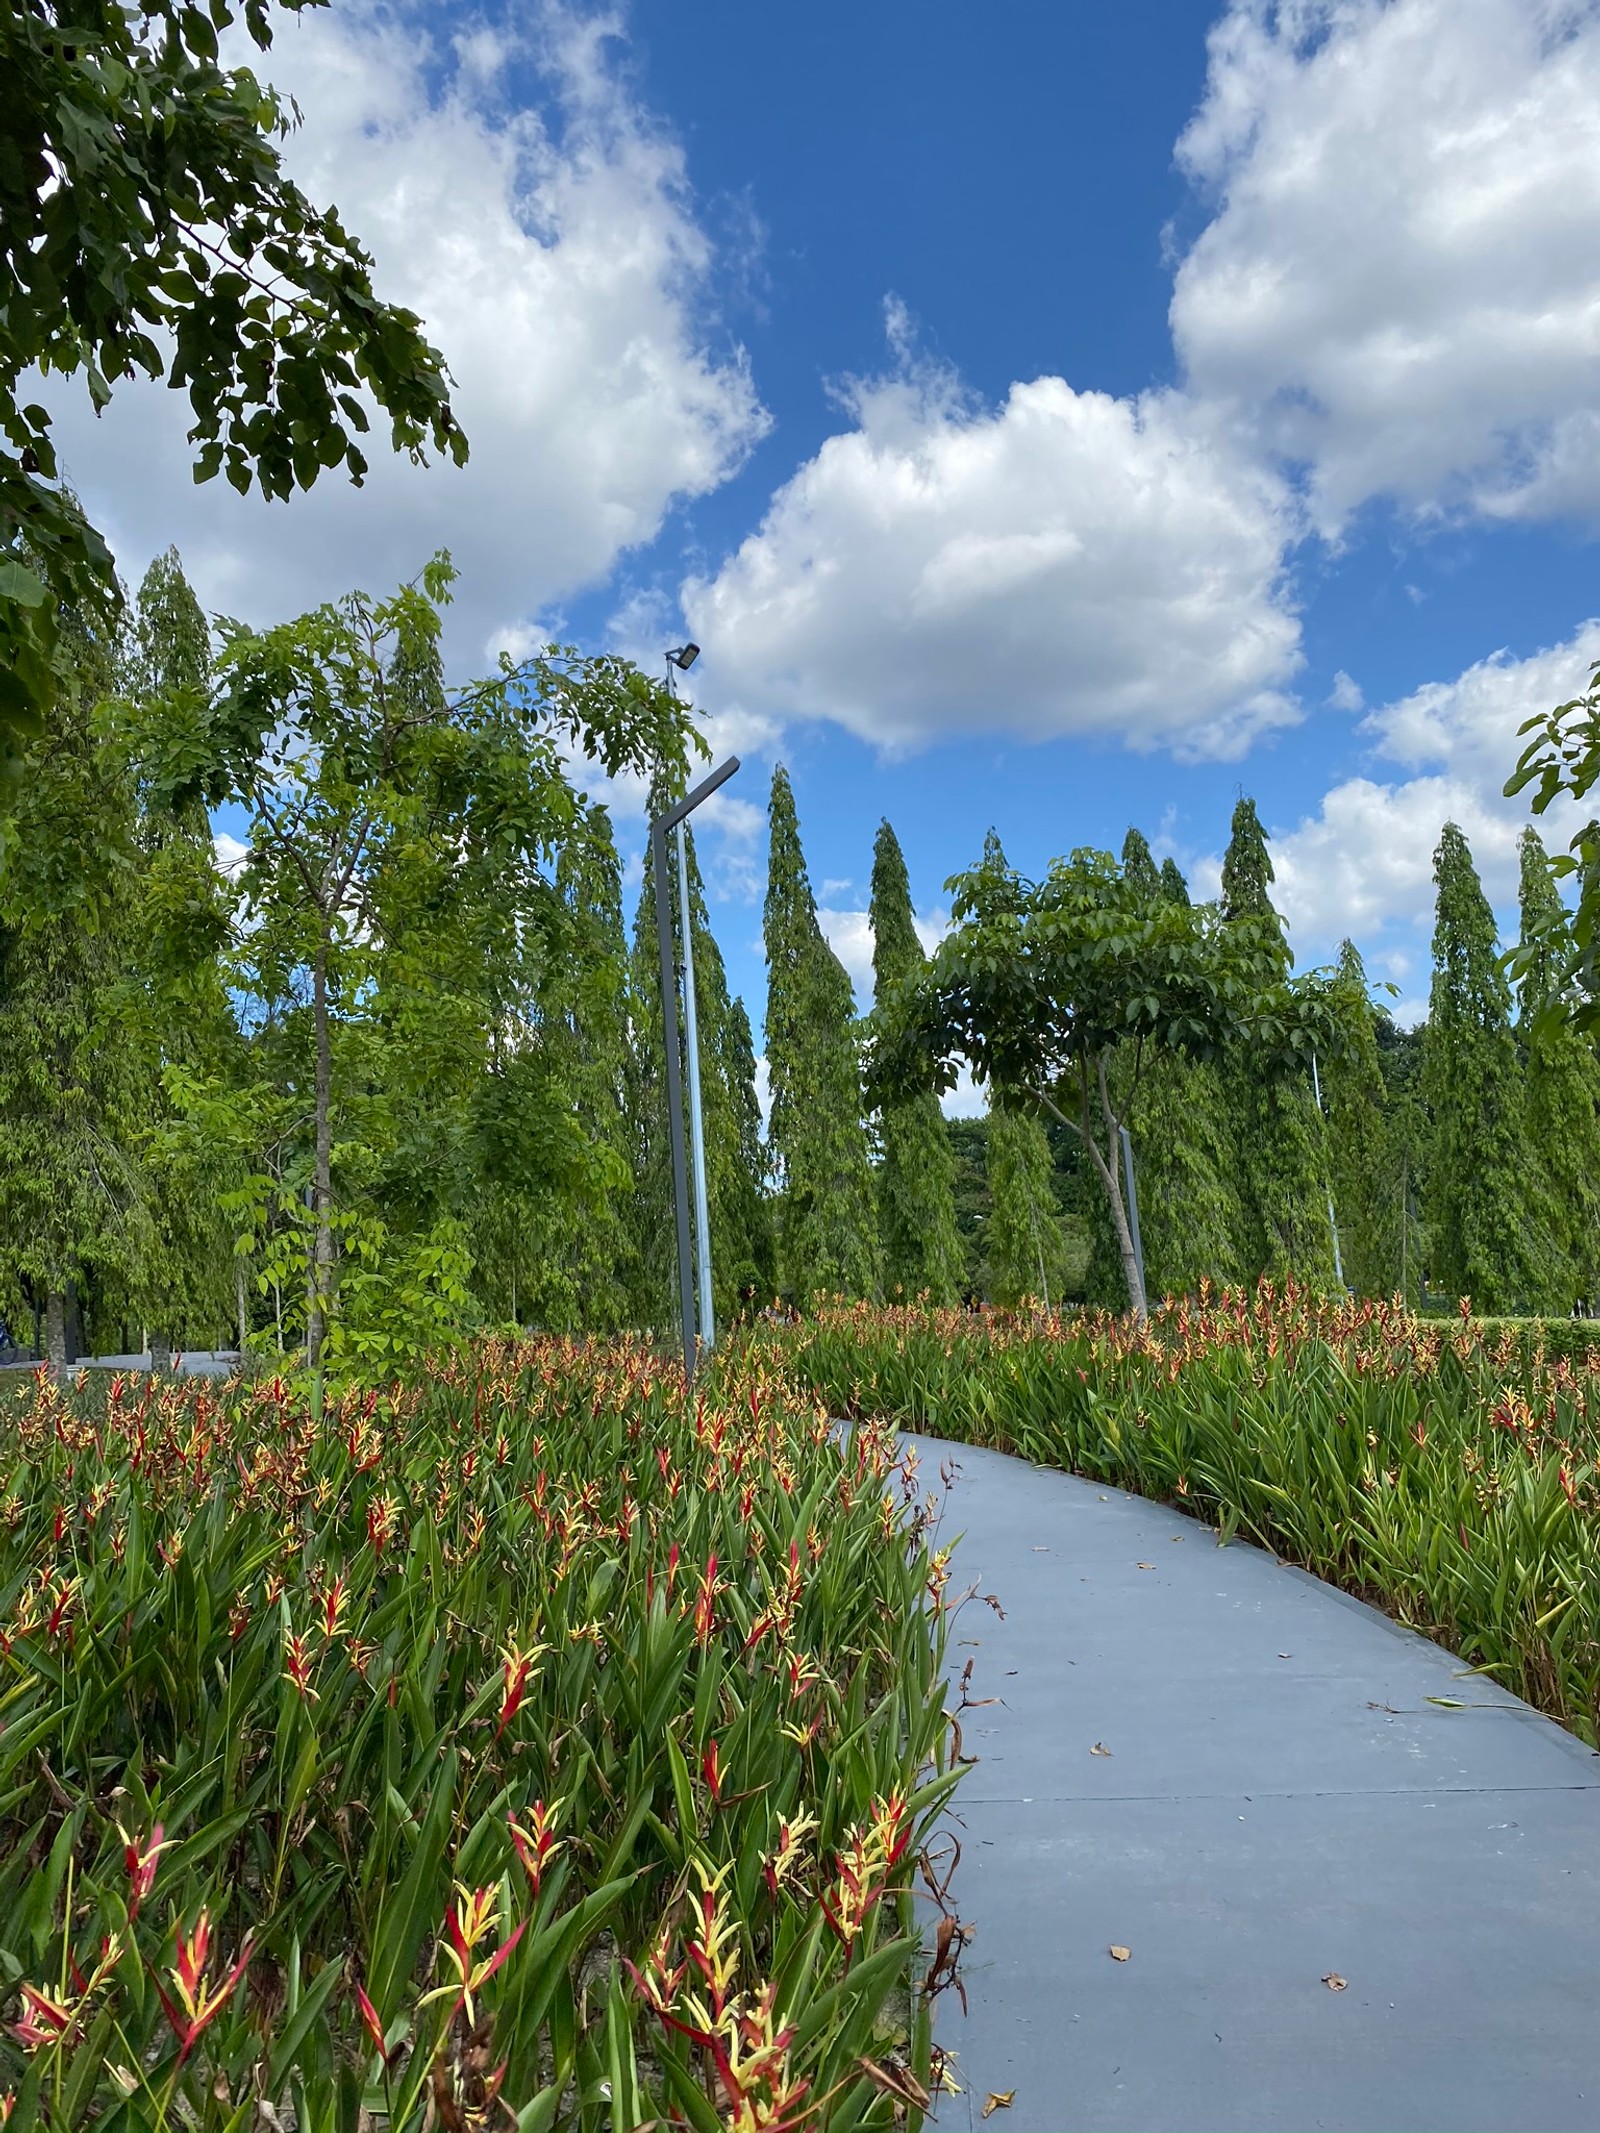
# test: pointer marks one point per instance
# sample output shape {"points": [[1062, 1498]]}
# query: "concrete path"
{"points": [[1281, 1804]]}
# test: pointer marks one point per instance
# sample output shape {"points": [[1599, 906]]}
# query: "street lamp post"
{"points": [[690, 1261]]}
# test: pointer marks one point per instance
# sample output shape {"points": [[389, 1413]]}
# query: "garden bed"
{"points": [[1448, 1470], [523, 1746]]}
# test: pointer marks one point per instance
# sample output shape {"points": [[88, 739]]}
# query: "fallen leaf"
{"points": [[999, 2100], [1175, 1537], [1449, 1703], [1119, 1955], [1334, 1982], [896, 2081], [1147, 1566], [1286, 1655], [1099, 1748]]}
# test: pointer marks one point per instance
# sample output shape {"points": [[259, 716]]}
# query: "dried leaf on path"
{"points": [[1099, 1748], [1119, 1955], [1334, 1982], [999, 2100]]}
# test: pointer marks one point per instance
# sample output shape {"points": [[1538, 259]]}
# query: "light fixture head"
{"points": [[685, 656]]}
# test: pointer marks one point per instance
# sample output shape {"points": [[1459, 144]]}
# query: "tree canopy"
{"points": [[1039, 983], [147, 225]]}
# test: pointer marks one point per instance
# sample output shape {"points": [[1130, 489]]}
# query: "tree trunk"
{"points": [[55, 1329], [161, 1353], [1083, 1127], [238, 1297], [321, 1283]]}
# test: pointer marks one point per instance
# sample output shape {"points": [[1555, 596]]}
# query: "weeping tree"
{"points": [[1361, 1144], [1038, 984], [1025, 1251], [828, 1243], [922, 1252], [74, 1093], [1281, 1153], [1489, 1239]]}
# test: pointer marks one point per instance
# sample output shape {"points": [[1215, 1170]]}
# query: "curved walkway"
{"points": [[1282, 1803]]}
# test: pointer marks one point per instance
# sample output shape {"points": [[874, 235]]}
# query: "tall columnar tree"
{"points": [[195, 1280], [1488, 1241], [1563, 1081], [922, 1252], [828, 1222], [742, 1248], [1360, 1144], [74, 1196], [1026, 1250], [563, 1258], [1280, 1145]]}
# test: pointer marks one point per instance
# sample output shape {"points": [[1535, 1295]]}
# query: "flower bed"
{"points": [[518, 1747], [1446, 1470]]}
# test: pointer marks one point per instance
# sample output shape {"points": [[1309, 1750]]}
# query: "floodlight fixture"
{"points": [[684, 657]]}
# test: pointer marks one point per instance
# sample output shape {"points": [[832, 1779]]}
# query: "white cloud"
{"points": [[1345, 695], [1363, 864], [231, 852], [1401, 284], [555, 258], [1065, 563], [849, 934]]}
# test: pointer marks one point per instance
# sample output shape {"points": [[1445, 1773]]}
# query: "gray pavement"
{"points": [[1281, 1804]]}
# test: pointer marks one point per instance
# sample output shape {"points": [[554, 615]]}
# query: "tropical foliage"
{"points": [[525, 1743], [1444, 1467]]}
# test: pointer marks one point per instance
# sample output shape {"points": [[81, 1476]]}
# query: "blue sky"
{"points": [[1050, 417]]}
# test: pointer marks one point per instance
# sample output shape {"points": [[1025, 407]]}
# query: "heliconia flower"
{"points": [[61, 1608], [778, 1865], [537, 1844], [1567, 1485], [44, 2020], [297, 1664], [374, 2029], [198, 2003], [516, 1667], [334, 1601], [139, 1857], [705, 1620], [8, 2103], [711, 1766], [474, 1917], [380, 1523]]}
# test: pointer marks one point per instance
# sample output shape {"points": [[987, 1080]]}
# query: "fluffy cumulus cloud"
{"points": [[1400, 286], [548, 238], [1363, 864], [849, 934], [1065, 563]]}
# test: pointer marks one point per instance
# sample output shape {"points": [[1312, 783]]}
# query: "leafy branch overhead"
{"points": [[147, 226], [1562, 760]]}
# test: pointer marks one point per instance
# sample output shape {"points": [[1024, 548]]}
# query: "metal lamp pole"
{"points": [[697, 1122], [673, 819]]}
